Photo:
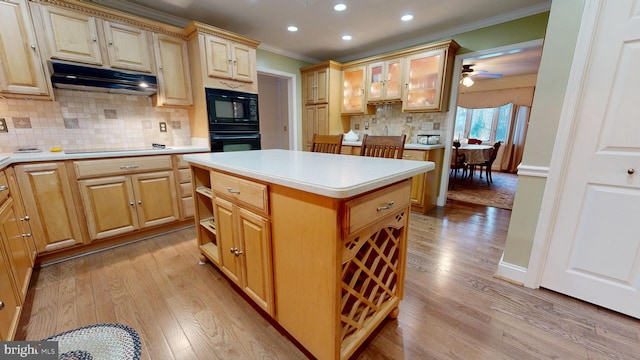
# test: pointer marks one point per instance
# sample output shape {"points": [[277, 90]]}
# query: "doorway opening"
{"points": [[277, 109]]}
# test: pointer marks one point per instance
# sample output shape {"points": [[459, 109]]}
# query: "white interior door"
{"points": [[594, 246]]}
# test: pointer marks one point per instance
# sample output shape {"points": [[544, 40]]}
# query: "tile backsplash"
{"points": [[390, 120], [80, 120]]}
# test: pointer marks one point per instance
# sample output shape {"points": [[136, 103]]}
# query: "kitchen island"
{"points": [[318, 241]]}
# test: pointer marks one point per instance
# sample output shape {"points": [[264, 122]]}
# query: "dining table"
{"points": [[475, 153]]}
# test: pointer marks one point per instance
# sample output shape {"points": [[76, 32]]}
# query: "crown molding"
{"points": [[279, 51], [143, 11]]}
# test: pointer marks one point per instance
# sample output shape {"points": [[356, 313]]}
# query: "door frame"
{"points": [[453, 104], [292, 109], [562, 146]]}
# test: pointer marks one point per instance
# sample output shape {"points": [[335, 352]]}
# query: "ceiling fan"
{"points": [[468, 72]]}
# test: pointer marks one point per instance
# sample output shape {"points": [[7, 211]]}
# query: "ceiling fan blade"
{"points": [[487, 76]]}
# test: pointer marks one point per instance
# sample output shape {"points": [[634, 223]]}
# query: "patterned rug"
{"points": [[499, 194], [98, 342]]}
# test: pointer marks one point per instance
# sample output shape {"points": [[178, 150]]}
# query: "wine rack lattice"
{"points": [[369, 276]]}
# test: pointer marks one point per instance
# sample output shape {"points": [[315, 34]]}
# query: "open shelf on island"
{"points": [[211, 251], [204, 191], [209, 224]]}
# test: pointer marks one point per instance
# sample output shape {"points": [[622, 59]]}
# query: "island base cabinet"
{"points": [[339, 267]]}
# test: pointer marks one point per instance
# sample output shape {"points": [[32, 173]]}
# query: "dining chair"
{"points": [[458, 162], [383, 146], [331, 144], [486, 164]]}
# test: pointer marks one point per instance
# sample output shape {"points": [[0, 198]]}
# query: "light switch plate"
{"points": [[3, 126], [163, 126]]}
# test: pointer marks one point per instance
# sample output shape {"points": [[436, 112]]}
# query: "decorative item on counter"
{"points": [[351, 136], [55, 149]]}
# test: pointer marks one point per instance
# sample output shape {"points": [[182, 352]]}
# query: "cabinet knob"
{"points": [[131, 203], [1, 305], [386, 207], [631, 171], [94, 39], [26, 235], [139, 202], [25, 218], [237, 252], [4, 188], [110, 42], [33, 46], [233, 250]]}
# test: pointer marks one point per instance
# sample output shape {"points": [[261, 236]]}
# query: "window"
{"points": [[488, 125]]}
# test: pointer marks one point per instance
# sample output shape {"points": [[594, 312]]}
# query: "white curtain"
{"points": [[514, 144]]}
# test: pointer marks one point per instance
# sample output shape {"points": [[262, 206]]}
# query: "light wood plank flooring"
{"points": [[453, 308]]}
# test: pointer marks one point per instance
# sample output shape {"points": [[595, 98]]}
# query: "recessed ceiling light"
{"points": [[346, 37], [340, 7], [407, 17], [292, 28]]}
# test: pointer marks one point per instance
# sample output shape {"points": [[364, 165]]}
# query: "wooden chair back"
{"points": [[383, 146], [331, 144]]}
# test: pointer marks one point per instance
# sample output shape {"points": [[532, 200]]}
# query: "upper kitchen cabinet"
{"points": [[174, 78], [384, 80], [96, 36], [353, 94], [428, 77], [221, 59], [21, 72], [321, 88]]}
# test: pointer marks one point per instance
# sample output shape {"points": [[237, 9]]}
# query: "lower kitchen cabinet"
{"points": [[120, 204], [47, 196], [9, 301]]}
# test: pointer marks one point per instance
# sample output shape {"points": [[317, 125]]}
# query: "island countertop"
{"points": [[336, 176]]}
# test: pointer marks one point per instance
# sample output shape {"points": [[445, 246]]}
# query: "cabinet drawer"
{"points": [[186, 190], [184, 176], [4, 187], [124, 165], [188, 207], [248, 192], [414, 155], [369, 208]]}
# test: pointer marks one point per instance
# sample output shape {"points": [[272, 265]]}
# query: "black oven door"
{"points": [[222, 142]]}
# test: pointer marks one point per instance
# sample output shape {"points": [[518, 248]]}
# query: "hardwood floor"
{"points": [[453, 308]]}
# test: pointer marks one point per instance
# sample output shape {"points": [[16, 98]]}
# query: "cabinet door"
{"points": [[243, 57], [423, 85], [309, 86], [226, 235], [316, 120], [127, 47], [155, 198], [255, 245], [71, 36], [174, 78], [393, 79], [109, 206], [218, 57], [10, 308], [25, 226], [353, 99], [47, 197], [15, 246], [21, 71], [322, 86]]}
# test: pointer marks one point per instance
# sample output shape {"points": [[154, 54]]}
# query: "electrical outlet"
{"points": [[436, 126], [357, 126], [409, 119], [163, 127], [3, 126]]}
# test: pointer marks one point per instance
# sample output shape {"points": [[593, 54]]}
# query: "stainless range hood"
{"points": [[87, 78]]}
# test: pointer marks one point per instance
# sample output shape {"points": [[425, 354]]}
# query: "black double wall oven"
{"points": [[233, 120]]}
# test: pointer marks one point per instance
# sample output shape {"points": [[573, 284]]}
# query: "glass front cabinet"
{"points": [[424, 86], [353, 95], [384, 80]]}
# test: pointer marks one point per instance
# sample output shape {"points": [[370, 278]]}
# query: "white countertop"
{"points": [[336, 176], [406, 146], [11, 158]]}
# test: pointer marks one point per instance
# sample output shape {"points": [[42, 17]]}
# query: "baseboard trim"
{"points": [[510, 272]]}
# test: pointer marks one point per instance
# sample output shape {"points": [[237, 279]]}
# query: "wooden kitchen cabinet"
{"points": [[353, 92], [427, 78], [174, 75], [47, 195], [240, 210], [21, 71], [321, 84], [221, 59], [185, 188], [10, 304], [81, 37], [130, 197], [424, 187], [384, 80]]}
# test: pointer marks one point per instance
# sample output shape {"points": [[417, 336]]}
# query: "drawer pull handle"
{"points": [[3, 188], [386, 207], [128, 167], [233, 191], [26, 235]]}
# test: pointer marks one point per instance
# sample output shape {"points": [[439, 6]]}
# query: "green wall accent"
{"points": [[557, 56]]}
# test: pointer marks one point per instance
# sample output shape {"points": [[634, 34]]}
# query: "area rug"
{"points": [[98, 342], [499, 194]]}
